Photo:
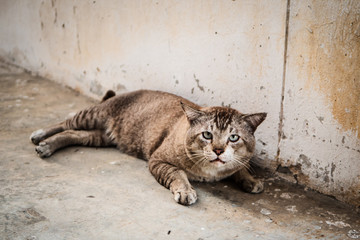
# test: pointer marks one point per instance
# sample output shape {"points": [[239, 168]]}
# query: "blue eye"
{"points": [[234, 138], [207, 135]]}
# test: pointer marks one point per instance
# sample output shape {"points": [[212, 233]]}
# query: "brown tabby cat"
{"points": [[181, 140]]}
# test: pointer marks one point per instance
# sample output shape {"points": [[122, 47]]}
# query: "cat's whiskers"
{"points": [[194, 157], [242, 162], [198, 158], [191, 155], [198, 163]]}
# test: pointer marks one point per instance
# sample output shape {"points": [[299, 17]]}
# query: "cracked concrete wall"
{"points": [[227, 53]]}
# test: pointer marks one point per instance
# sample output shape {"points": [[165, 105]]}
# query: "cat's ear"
{"points": [[254, 120], [191, 113]]}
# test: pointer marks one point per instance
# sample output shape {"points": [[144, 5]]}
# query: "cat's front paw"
{"points": [[185, 197], [253, 186], [43, 150]]}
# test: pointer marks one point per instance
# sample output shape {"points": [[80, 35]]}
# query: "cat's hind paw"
{"points": [[43, 150], [185, 197], [37, 136]]}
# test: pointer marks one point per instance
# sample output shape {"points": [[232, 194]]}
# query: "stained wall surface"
{"points": [[321, 120], [228, 53]]}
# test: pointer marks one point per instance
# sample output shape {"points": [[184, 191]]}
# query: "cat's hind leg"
{"points": [[94, 138], [41, 134], [88, 119]]}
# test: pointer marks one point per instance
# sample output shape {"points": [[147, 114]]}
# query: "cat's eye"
{"points": [[234, 138], [207, 135]]}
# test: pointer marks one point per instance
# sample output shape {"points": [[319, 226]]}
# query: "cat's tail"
{"points": [[108, 94]]}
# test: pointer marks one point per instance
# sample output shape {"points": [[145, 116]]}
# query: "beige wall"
{"points": [[322, 97], [215, 53]]}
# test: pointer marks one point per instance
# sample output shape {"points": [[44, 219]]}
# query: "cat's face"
{"points": [[220, 138]]}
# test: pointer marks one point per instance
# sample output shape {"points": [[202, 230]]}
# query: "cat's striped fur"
{"points": [[181, 140]]}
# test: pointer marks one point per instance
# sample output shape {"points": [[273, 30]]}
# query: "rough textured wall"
{"points": [[321, 120], [215, 53]]}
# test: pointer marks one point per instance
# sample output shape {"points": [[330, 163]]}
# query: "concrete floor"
{"points": [[100, 193]]}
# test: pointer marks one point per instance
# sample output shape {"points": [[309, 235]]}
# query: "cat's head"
{"points": [[220, 137]]}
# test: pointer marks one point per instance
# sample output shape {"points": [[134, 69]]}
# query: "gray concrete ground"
{"points": [[100, 193]]}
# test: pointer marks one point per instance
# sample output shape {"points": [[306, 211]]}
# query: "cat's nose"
{"points": [[218, 151]]}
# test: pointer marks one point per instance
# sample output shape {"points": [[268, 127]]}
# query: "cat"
{"points": [[181, 141]]}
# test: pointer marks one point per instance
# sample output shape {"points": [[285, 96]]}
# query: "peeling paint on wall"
{"points": [[201, 88]]}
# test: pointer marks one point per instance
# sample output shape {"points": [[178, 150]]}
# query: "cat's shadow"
{"points": [[229, 191], [225, 190]]}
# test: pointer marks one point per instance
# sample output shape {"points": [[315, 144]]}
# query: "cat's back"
{"points": [[141, 120], [143, 101]]}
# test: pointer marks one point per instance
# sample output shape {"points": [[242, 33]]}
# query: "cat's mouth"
{"points": [[217, 160]]}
